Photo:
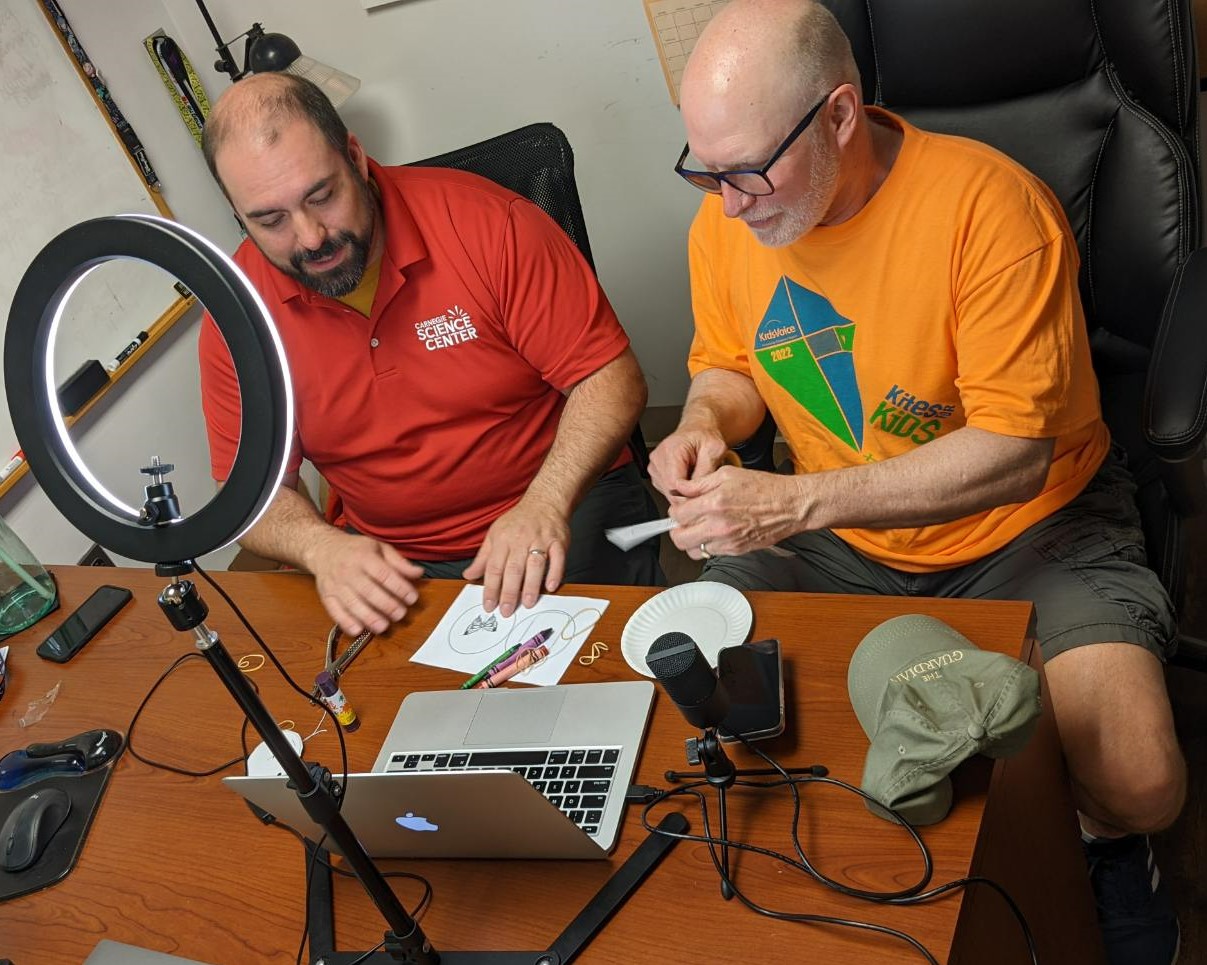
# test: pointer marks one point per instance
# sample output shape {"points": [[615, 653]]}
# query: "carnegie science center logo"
{"points": [[453, 327]]}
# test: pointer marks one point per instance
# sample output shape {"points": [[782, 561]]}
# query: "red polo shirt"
{"points": [[430, 418]]}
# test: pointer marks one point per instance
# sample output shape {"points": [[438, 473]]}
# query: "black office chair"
{"points": [[536, 161], [1100, 99]]}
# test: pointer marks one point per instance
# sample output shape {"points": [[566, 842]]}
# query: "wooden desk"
{"points": [[179, 864]]}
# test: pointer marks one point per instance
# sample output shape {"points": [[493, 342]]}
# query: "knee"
{"points": [[1143, 798]]}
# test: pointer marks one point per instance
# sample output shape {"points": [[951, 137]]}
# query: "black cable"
{"points": [[713, 842], [900, 899], [311, 698], [372, 951], [170, 767], [911, 895], [425, 899], [313, 851]]}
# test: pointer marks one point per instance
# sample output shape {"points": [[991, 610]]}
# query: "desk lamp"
{"points": [[156, 532], [272, 51]]}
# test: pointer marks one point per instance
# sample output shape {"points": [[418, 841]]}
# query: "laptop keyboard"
{"points": [[575, 780]]}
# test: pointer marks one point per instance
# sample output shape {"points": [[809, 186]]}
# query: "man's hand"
{"points": [[526, 544], [363, 583], [686, 454], [734, 511]]}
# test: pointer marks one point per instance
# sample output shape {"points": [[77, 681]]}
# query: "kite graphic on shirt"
{"points": [[806, 347]]}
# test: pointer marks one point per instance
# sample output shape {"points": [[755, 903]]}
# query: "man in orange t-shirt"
{"points": [[905, 305], [460, 379]]}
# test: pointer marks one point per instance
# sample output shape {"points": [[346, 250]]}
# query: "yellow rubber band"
{"points": [[598, 648], [244, 663]]}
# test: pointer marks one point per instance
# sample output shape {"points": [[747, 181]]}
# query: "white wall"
{"points": [[436, 74]]}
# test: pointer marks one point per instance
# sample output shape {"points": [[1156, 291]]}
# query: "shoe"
{"points": [[1139, 925]]}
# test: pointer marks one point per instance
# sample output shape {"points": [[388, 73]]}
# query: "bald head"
{"points": [[255, 110], [767, 57]]}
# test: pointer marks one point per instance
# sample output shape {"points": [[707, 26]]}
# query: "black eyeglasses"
{"points": [[3, 675], [753, 181]]}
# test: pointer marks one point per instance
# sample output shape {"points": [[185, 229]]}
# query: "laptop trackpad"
{"points": [[515, 717]]}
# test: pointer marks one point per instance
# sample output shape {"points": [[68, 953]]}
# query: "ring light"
{"points": [[266, 420]]}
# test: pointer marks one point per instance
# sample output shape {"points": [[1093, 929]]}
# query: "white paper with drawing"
{"points": [[467, 637]]}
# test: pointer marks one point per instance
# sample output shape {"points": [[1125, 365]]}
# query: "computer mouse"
{"points": [[29, 828]]}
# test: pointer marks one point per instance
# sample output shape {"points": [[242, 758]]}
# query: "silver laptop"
{"points": [[509, 773], [116, 953]]}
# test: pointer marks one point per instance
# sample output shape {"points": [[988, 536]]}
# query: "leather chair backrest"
{"points": [[1099, 99], [534, 161], [1096, 97]]}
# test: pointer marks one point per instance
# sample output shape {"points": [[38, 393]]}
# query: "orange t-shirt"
{"points": [[950, 299]]}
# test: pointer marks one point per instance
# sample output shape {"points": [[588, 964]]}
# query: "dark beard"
{"points": [[340, 280]]}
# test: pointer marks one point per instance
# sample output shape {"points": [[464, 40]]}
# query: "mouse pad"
{"points": [[85, 792]]}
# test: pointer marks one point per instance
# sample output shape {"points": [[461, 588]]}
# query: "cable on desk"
{"points": [[913, 895], [311, 698], [420, 909], [367, 955], [169, 767]]}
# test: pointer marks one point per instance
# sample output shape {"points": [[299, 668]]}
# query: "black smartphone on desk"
{"points": [[753, 676], [83, 624]]}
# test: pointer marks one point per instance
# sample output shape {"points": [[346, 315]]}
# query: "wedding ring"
{"points": [[704, 554], [535, 552]]}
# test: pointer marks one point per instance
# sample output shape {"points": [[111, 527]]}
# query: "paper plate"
{"points": [[712, 614]]}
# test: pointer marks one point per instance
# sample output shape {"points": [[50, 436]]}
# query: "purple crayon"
{"points": [[524, 648]]}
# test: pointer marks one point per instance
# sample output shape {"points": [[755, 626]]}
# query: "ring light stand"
{"points": [[156, 532]]}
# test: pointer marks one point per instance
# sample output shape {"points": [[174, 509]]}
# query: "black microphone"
{"points": [[688, 680]]}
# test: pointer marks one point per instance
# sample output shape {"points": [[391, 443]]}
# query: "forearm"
{"points": [[725, 402], [290, 531], [596, 422], [967, 472]]}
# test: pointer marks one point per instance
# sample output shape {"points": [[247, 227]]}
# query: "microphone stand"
{"points": [[404, 942], [720, 773]]}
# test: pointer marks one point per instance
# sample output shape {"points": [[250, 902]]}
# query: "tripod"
{"points": [[404, 942], [719, 772]]}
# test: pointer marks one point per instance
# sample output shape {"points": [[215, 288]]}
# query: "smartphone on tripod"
{"points": [[753, 674]]}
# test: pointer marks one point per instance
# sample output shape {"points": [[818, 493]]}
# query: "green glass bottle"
{"points": [[27, 591]]}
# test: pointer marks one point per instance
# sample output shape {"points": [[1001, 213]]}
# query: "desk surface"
{"points": [[178, 864]]}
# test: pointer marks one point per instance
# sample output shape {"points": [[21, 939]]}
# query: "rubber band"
{"points": [[244, 662], [318, 728], [598, 648], [573, 622], [287, 724]]}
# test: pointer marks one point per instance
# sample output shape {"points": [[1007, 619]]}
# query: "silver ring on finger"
{"points": [[537, 552], [704, 554]]}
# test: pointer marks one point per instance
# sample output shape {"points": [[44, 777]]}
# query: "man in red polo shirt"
{"points": [[460, 379]]}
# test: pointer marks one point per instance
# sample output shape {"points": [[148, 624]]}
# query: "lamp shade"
{"points": [[268, 52], [276, 52], [337, 85]]}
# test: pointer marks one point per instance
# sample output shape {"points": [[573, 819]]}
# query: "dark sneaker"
{"points": [[1139, 925]]}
